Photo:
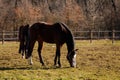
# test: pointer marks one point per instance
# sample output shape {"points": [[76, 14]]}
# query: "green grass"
{"points": [[99, 60]]}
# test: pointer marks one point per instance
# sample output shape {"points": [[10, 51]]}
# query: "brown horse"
{"points": [[57, 33], [23, 38]]}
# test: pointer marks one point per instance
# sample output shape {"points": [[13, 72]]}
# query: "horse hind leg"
{"points": [[29, 52], [21, 50], [40, 44], [23, 55], [55, 60]]}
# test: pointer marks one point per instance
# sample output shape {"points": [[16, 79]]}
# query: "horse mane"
{"points": [[70, 39], [46, 23]]}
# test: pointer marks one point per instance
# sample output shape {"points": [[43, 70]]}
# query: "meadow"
{"points": [[99, 60]]}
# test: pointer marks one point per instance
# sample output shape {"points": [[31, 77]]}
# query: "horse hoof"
{"points": [[56, 66], [59, 66], [23, 57], [43, 64], [31, 63]]}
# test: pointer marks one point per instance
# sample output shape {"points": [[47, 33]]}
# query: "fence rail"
{"points": [[79, 35], [8, 36], [97, 34]]}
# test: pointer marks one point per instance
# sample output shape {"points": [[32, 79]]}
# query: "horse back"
{"points": [[54, 33]]}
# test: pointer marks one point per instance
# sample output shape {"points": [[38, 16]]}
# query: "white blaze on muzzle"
{"points": [[74, 61]]}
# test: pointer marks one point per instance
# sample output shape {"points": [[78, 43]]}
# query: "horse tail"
{"points": [[20, 29], [27, 36]]}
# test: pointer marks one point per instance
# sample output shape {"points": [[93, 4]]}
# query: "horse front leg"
{"points": [[40, 44], [57, 56]]}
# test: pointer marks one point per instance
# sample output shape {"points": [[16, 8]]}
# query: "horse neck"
{"points": [[69, 38], [70, 43]]}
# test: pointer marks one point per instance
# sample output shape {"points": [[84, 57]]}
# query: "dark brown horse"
{"points": [[23, 38], [57, 33]]}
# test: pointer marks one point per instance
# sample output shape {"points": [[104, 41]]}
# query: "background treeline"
{"points": [[77, 14]]}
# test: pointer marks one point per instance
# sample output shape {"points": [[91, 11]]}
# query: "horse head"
{"points": [[72, 58]]}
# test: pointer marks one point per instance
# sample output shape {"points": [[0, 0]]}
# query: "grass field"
{"points": [[99, 60]]}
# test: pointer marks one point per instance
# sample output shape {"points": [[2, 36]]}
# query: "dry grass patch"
{"points": [[99, 60]]}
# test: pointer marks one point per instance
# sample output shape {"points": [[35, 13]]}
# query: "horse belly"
{"points": [[48, 38]]}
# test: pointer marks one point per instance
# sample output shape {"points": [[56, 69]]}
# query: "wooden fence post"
{"points": [[113, 35], [3, 37], [98, 34], [91, 36]]}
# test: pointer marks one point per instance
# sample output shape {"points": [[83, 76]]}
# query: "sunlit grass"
{"points": [[99, 60]]}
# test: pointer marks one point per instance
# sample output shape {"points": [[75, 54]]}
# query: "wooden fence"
{"points": [[8, 36], [96, 35], [79, 35]]}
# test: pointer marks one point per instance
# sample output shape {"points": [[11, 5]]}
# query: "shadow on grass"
{"points": [[54, 67], [14, 68], [31, 68]]}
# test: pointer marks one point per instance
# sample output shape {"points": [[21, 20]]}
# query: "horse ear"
{"points": [[76, 50], [27, 25]]}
